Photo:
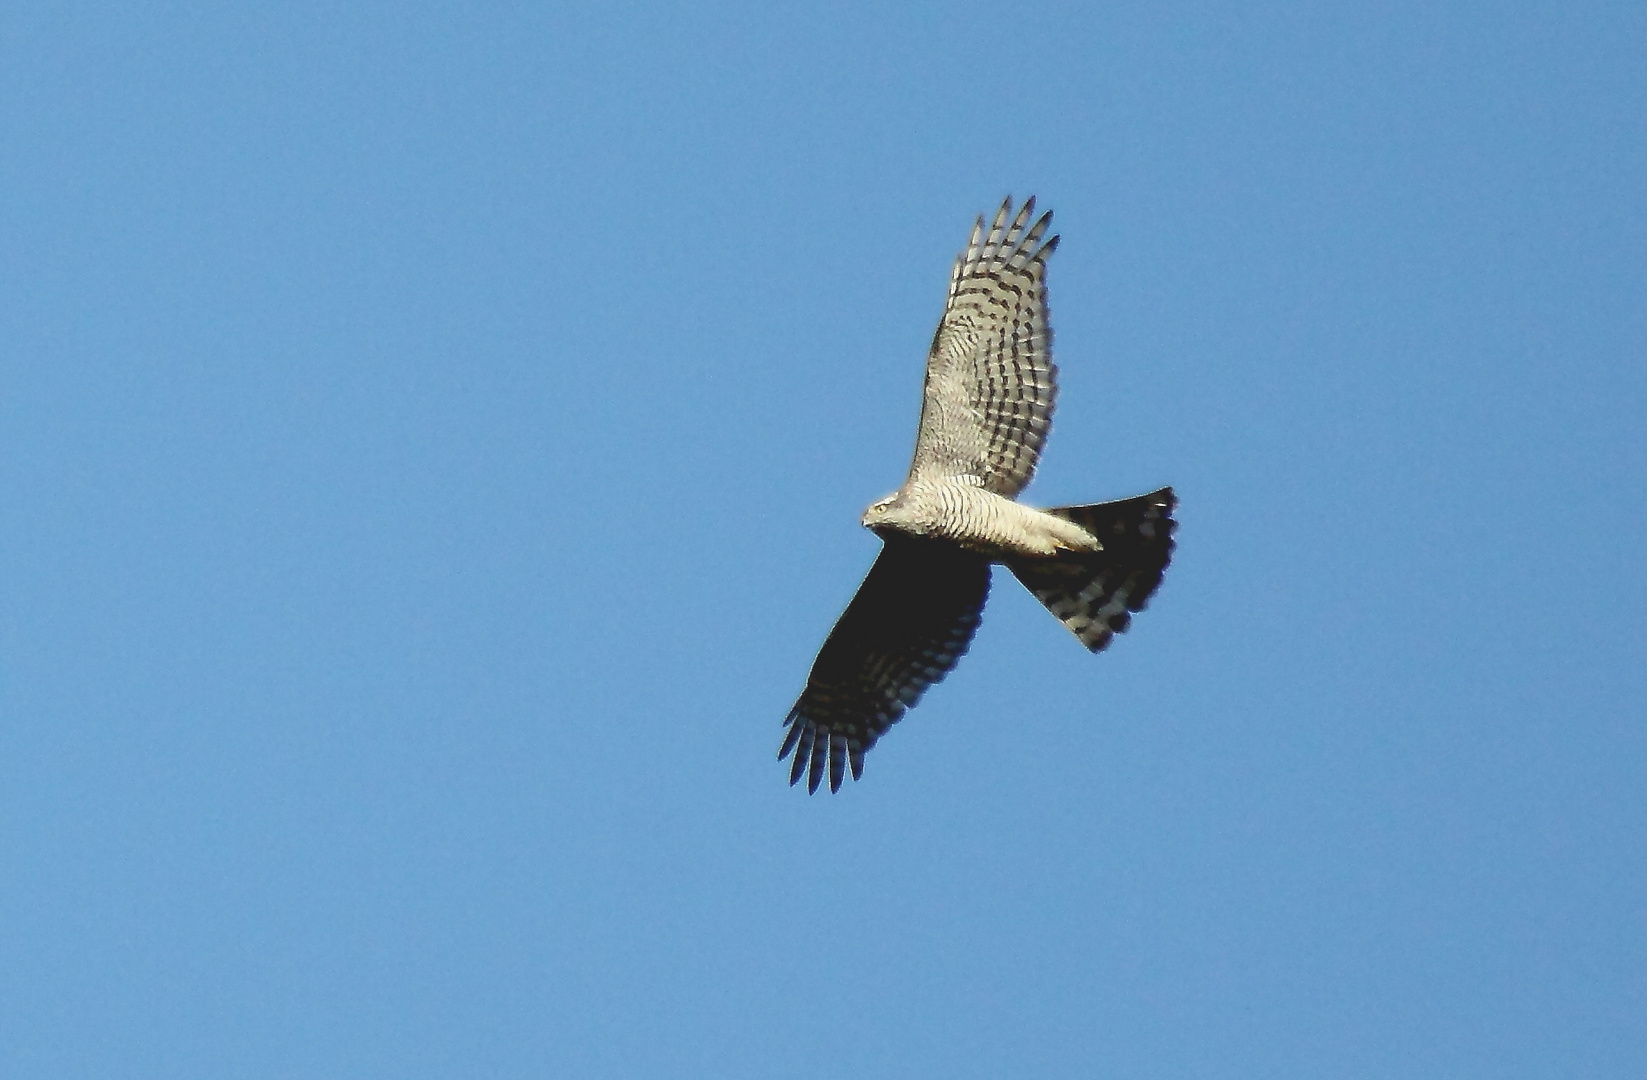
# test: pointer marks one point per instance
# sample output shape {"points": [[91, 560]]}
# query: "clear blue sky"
{"points": [[432, 440]]}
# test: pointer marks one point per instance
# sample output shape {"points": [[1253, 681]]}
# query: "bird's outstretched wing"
{"points": [[990, 380], [911, 620]]}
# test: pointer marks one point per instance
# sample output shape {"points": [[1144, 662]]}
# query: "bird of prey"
{"points": [[990, 385]]}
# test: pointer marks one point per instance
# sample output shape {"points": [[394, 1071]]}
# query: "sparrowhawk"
{"points": [[990, 386]]}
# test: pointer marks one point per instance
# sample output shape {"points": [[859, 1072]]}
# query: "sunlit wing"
{"points": [[990, 380]]}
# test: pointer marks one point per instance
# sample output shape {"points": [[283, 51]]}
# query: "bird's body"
{"points": [[966, 515], [986, 409]]}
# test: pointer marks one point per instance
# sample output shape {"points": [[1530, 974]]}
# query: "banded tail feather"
{"points": [[1094, 593]]}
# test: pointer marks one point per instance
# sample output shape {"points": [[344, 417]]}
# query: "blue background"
{"points": [[432, 440]]}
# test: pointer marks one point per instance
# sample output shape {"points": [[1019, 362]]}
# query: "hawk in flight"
{"points": [[990, 385]]}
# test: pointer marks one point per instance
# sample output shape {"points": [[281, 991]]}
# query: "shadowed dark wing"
{"points": [[911, 620], [990, 381]]}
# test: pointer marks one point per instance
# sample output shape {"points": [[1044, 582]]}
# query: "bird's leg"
{"points": [[1068, 536]]}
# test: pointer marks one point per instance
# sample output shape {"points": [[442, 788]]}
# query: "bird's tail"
{"points": [[1093, 593]]}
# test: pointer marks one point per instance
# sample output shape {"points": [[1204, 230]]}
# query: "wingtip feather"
{"points": [[791, 737], [803, 753], [815, 766]]}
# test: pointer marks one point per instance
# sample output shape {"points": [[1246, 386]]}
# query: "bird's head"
{"points": [[883, 513]]}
